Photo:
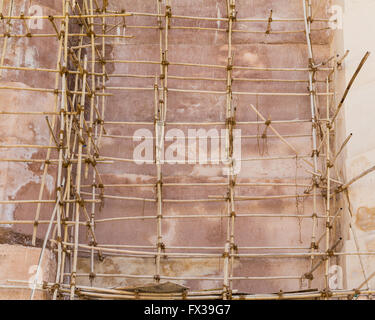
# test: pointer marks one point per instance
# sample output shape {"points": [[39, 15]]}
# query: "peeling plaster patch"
{"points": [[366, 218], [49, 183], [31, 56], [14, 176], [20, 177], [218, 22]]}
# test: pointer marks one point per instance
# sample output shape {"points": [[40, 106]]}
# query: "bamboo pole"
{"points": [[78, 184], [312, 93], [328, 191], [350, 84], [63, 119]]}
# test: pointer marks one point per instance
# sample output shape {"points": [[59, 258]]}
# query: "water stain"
{"points": [[366, 218]]}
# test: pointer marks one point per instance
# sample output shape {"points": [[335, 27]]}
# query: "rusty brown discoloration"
{"points": [[7, 236]]}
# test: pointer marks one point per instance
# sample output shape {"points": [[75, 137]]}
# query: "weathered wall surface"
{"points": [[357, 118], [18, 266], [22, 180], [203, 47], [207, 47]]}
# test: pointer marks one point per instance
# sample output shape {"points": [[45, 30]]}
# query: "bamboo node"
{"points": [[184, 294], [157, 277], [231, 121], [280, 294], [93, 243], [91, 33], [67, 163], [45, 285], [168, 11], [233, 16], [63, 70], [308, 276], [314, 245], [165, 62], [73, 276], [81, 202], [326, 293], [234, 247]]}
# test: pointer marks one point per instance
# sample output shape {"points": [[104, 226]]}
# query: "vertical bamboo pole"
{"points": [[328, 178], [93, 82], [78, 185], [307, 19], [160, 118], [63, 109], [69, 154], [230, 122], [104, 30]]}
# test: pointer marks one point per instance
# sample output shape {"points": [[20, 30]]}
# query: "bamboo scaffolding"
{"points": [[77, 142]]}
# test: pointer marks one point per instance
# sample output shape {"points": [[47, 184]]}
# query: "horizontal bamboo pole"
{"points": [[50, 161], [186, 64], [213, 138], [201, 184], [26, 113], [83, 16], [113, 14], [52, 91], [27, 146], [144, 123], [248, 198], [143, 76], [45, 201], [168, 217], [53, 35]]}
